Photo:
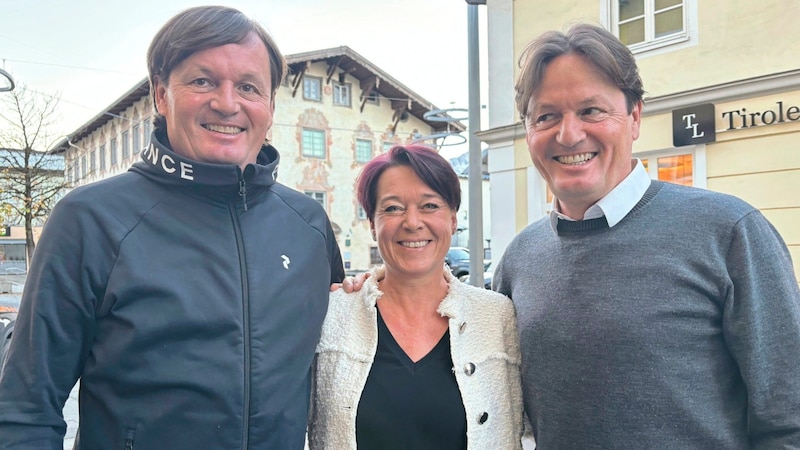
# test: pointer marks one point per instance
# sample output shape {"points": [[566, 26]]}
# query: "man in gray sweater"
{"points": [[651, 315]]}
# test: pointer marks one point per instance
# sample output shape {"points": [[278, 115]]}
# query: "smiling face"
{"points": [[580, 134], [413, 225], [217, 103]]}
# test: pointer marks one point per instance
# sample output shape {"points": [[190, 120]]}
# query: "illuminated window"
{"points": [[676, 169]]}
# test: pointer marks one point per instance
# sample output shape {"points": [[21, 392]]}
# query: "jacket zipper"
{"points": [[243, 190], [129, 439], [245, 318]]}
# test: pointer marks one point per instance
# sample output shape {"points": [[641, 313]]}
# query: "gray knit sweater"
{"points": [[677, 328]]}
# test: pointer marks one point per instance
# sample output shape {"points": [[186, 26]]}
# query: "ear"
{"points": [[160, 96], [636, 116], [453, 223]]}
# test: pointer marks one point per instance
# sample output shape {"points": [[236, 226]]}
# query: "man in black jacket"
{"points": [[187, 294]]}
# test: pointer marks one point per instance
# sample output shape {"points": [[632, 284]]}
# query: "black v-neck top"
{"points": [[410, 406]]}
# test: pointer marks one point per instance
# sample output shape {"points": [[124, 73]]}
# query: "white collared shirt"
{"points": [[617, 203]]}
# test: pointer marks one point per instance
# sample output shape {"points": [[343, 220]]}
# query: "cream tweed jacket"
{"points": [[484, 346]]}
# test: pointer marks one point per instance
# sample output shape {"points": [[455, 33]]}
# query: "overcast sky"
{"points": [[92, 51]]}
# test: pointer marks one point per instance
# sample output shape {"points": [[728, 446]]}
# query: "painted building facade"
{"points": [[722, 102], [334, 112]]}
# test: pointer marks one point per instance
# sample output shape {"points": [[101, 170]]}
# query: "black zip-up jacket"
{"points": [[187, 297]]}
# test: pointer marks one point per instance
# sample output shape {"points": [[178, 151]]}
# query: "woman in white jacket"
{"points": [[416, 359]]}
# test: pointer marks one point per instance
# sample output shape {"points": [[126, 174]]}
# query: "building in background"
{"points": [[334, 112], [722, 107]]}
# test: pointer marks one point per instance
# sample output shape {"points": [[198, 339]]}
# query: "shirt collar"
{"points": [[617, 203]]}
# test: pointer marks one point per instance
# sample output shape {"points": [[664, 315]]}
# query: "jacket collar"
{"points": [[449, 307], [160, 162]]}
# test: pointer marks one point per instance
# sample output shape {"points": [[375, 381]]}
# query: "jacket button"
{"points": [[469, 369], [462, 327], [482, 418]]}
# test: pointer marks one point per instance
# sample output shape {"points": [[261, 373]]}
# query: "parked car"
{"points": [[8, 316], [487, 277], [458, 260]]}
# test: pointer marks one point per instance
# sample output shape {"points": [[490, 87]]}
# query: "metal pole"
{"points": [[475, 167]]}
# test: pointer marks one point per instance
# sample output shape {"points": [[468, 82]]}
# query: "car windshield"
{"points": [[458, 253]]}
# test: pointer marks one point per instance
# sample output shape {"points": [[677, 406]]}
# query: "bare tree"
{"points": [[31, 180]]}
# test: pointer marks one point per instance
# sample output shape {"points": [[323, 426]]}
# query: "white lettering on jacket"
{"points": [[167, 163]]}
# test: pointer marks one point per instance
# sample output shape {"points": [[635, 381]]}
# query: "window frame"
{"points": [[126, 145], [687, 37], [102, 152], [135, 136], [337, 96], [698, 153], [313, 152], [146, 131], [358, 151], [373, 97], [113, 150], [306, 92], [375, 255], [320, 197], [361, 214]]}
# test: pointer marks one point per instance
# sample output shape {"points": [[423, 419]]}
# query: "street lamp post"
{"points": [[475, 163]]}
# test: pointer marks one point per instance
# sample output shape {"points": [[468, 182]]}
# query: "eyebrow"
{"points": [[593, 100], [397, 197], [250, 77]]}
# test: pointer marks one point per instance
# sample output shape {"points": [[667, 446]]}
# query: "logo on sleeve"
{"points": [[285, 261]]}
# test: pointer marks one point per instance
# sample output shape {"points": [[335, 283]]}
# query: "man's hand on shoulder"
{"points": [[351, 284]]}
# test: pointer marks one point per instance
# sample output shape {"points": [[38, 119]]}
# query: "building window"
{"points": [[375, 256], [312, 88], [126, 145], [341, 94], [137, 143], [313, 143], [360, 213], [13, 259], [387, 146], [102, 157], [678, 168], [373, 97], [647, 24], [363, 150], [113, 151], [318, 196], [146, 130], [83, 166], [92, 161], [673, 166]]}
